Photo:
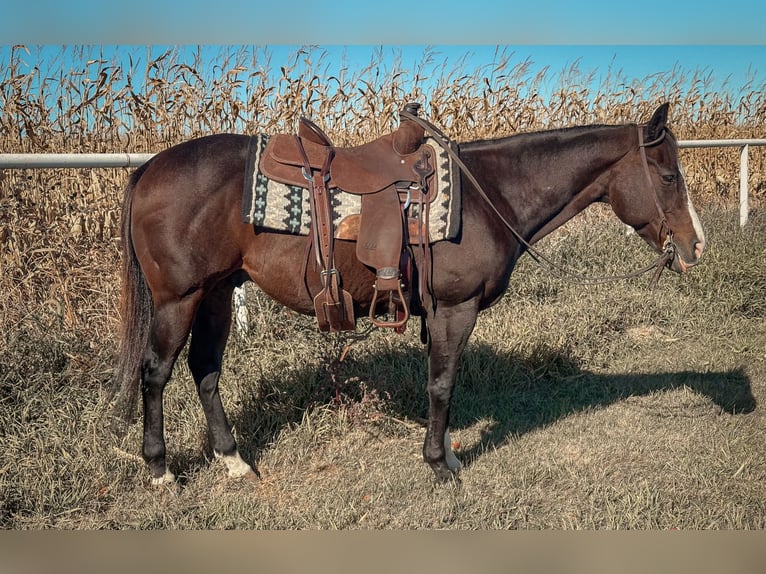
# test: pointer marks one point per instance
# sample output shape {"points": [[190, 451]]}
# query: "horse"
{"points": [[185, 248]]}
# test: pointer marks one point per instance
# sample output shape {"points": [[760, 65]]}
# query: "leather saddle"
{"points": [[390, 174]]}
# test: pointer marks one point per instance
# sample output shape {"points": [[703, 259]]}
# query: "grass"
{"points": [[576, 407], [608, 406]]}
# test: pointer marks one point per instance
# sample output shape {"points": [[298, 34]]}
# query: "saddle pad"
{"points": [[279, 207]]}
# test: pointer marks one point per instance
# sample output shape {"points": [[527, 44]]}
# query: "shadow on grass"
{"points": [[548, 386], [517, 393]]}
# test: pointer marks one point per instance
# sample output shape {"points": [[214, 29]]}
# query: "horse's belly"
{"points": [[285, 269]]}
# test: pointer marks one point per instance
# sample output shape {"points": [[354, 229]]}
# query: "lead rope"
{"points": [[658, 264]]}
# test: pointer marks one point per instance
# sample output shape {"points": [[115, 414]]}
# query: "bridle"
{"points": [[658, 265], [669, 246]]}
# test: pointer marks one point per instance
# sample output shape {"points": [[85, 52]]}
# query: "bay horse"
{"points": [[185, 248]]}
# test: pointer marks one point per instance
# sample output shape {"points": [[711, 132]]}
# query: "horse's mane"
{"points": [[536, 134]]}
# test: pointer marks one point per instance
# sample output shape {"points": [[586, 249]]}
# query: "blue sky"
{"points": [[385, 22], [637, 38]]}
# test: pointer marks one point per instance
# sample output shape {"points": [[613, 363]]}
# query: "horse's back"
{"points": [[213, 153]]}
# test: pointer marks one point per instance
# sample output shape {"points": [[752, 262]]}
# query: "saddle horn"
{"points": [[313, 133], [409, 136]]}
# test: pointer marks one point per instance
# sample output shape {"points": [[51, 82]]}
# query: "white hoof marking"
{"points": [[167, 478], [237, 467]]}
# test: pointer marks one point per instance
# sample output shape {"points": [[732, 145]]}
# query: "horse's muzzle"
{"points": [[683, 258], [681, 264]]}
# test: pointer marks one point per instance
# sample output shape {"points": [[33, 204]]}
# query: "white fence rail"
{"points": [[71, 160], [91, 160], [744, 174]]}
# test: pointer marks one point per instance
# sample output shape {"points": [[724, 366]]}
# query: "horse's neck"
{"points": [[545, 178]]}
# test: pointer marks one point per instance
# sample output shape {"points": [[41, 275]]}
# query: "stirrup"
{"points": [[400, 305]]}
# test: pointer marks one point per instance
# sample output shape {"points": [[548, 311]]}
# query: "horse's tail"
{"points": [[136, 310]]}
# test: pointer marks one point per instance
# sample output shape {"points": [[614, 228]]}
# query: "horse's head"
{"points": [[648, 192]]}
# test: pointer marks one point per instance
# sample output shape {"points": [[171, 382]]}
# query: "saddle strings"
{"points": [[658, 264]]}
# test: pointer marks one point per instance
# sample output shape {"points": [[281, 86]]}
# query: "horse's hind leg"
{"points": [[168, 333], [209, 335]]}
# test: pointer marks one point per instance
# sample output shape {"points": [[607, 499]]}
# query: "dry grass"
{"points": [[603, 407]]}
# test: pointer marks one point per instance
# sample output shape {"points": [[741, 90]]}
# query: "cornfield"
{"points": [[102, 105]]}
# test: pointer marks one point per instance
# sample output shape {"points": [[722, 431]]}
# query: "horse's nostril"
{"points": [[699, 247]]}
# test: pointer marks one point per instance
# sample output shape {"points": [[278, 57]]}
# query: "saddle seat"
{"points": [[388, 173], [360, 170]]}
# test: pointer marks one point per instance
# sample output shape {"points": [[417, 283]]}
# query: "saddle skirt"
{"points": [[283, 207]]}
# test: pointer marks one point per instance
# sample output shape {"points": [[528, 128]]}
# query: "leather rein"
{"points": [[658, 265]]}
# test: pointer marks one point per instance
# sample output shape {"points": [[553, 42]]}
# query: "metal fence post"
{"points": [[743, 187]]}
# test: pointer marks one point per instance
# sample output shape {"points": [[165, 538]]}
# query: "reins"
{"points": [[658, 264]]}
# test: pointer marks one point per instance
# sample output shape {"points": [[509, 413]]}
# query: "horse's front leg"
{"points": [[449, 328]]}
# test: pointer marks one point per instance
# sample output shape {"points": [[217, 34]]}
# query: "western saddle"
{"points": [[390, 174]]}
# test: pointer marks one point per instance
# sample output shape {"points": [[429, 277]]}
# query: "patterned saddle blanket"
{"points": [[281, 207]]}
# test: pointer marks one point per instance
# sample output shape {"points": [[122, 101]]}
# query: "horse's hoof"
{"points": [[452, 480], [445, 475], [166, 479], [238, 468]]}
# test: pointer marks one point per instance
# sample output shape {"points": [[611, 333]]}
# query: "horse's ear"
{"points": [[657, 124]]}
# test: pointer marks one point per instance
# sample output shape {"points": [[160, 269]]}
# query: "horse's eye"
{"points": [[669, 179]]}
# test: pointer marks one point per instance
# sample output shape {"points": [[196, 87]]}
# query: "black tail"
{"points": [[136, 310]]}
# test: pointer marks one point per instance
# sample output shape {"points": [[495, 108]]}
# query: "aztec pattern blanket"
{"points": [[276, 206]]}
